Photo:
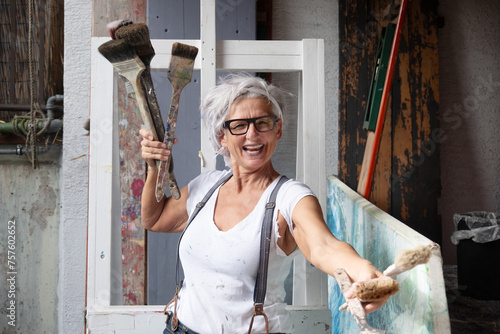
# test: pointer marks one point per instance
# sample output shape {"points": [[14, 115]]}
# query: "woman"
{"points": [[220, 249]]}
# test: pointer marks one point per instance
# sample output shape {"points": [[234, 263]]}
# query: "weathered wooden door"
{"points": [[407, 175]]}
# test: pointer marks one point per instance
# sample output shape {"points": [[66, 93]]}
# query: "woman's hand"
{"points": [[369, 272], [152, 149], [168, 215]]}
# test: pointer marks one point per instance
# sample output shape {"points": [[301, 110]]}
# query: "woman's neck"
{"points": [[253, 180]]}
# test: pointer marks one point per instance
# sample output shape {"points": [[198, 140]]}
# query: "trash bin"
{"points": [[477, 236]]}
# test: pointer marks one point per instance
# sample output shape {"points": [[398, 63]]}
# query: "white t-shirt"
{"points": [[221, 267]]}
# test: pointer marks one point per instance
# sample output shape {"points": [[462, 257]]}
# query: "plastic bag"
{"points": [[482, 227]]}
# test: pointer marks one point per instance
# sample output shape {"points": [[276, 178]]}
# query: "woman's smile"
{"points": [[253, 149]]}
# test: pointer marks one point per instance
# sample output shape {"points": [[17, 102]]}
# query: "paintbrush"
{"points": [[179, 74], [378, 289], [112, 27], [357, 311], [137, 35], [409, 259], [128, 65], [115, 25]]}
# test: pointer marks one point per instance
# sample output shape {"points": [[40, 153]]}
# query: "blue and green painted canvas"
{"points": [[420, 306]]}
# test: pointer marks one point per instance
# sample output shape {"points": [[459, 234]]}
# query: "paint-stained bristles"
{"points": [[408, 259], [113, 26], [137, 35], [376, 289], [117, 50], [184, 51]]}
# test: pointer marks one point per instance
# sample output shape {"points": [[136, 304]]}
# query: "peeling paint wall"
{"points": [[29, 253], [407, 173], [470, 111]]}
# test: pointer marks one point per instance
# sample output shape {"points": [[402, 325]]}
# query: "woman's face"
{"points": [[254, 149]]}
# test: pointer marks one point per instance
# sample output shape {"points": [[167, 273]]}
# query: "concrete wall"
{"points": [[296, 20], [470, 111], [29, 207]]}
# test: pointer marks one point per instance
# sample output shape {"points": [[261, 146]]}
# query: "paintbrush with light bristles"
{"points": [[179, 74], [381, 288]]}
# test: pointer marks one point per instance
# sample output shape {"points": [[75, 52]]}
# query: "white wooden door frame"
{"points": [[306, 57]]}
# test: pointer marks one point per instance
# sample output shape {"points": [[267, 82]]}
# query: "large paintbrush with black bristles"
{"points": [[179, 74], [137, 35], [127, 64]]}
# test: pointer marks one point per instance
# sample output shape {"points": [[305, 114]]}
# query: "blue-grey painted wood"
{"points": [[174, 19]]}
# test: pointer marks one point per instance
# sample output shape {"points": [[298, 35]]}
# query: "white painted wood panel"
{"points": [[150, 319], [310, 284], [101, 151], [208, 75]]}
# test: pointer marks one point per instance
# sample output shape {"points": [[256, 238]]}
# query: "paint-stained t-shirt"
{"points": [[220, 267]]}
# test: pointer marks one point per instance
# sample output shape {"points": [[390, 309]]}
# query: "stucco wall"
{"points": [[470, 111], [74, 173]]}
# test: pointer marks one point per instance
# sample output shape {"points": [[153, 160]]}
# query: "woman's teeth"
{"points": [[253, 148]]}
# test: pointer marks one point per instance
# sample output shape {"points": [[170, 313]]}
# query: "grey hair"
{"points": [[216, 105]]}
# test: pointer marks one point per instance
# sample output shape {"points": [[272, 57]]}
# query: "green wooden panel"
{"points": [[378, 77]]}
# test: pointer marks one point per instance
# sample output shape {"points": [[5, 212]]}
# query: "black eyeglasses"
{"points": [[240, 126]]}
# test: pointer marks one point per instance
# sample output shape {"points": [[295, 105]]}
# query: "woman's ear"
{"points": [[222, 139], [279, 122]]}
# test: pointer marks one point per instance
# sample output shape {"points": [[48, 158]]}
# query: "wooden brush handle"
{"points": [[166, 170], [172, 115], [166, 177], [162, 165], [132, 70], [152, 101], [133, 73], [166, 174]]}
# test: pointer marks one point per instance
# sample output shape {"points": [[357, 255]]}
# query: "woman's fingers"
{"points": [[152, 149], [373, 293], [145, 134], [373, 306]]}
